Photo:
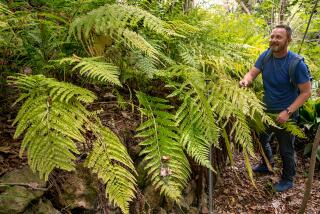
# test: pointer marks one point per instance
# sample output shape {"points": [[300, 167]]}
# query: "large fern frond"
{"points": [[231, 102], [94, 68], [118, 22], [110, 17], [166, 163], [52, 118], [195, 119], [111, 161]]}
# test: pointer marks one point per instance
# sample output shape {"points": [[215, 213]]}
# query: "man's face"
{"points": [[278, 40]]}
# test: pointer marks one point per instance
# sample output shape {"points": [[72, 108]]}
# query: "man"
{"points": [[282, 97]]}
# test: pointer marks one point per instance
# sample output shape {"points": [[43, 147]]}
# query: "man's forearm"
{"points": [[299, 101]]}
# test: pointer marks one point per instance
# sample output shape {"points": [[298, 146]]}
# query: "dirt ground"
{"points": [[235, 194]]}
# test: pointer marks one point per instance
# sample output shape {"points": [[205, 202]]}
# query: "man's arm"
{"points": [[305, 93], [249, 77]]}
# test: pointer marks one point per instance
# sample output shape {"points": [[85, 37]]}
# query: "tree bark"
{"points": [[188, 5], [311, 172], [283, 4], [244, 7]]}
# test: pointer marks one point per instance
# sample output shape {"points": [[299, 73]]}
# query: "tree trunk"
{"points": [[283, 4], [188, 5], [311, 172], [244, 7]]}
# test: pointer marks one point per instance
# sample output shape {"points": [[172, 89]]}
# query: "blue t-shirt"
{"points": [[279, 92]]}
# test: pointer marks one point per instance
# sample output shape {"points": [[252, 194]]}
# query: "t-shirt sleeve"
{"points": [[302, 74], [260, 60]]}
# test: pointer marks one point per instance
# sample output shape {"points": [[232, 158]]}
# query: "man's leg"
{"points": [[286, 145]]}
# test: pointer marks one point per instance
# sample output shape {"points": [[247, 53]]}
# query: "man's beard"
{"points": [[277, 48]]}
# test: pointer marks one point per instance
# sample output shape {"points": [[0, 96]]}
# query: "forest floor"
{"points": [[235, 194]]}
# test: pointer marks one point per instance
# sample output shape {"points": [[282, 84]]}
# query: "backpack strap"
{"points": [[292, 68], [266, 58]]}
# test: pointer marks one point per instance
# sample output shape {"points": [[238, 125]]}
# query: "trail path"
{"points": [[235, 194]]}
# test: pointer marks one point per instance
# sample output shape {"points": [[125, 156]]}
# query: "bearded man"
{"points": [[281, 97]]}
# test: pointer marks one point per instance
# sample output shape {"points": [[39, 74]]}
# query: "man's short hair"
{"points": [[287, 28]]}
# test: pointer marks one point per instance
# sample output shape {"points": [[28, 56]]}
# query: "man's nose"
{"points": [[272, 39]]}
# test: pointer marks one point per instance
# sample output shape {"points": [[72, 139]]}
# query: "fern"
{"points": [[166, 163], [94, 68], [118, 21], [54, 121], [4, 9], [196, 120], [237, 105], [289, 126], [52, 118], [145, 65], [111, 161], [110, 17]]}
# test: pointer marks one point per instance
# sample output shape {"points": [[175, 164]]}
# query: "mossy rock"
{"points": [[16, 195]]}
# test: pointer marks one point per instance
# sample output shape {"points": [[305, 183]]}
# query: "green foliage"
{"points": [[195, 119], [166, 163], [52, 118], [118, 21], [111, 161], [94, 68], [309, 119], [289, 126]]}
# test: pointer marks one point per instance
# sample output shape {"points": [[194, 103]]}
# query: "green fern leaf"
{"points": [[166, 163], [52, 118], [195, 119], [94, 68], [118, 21], [110, 160]]}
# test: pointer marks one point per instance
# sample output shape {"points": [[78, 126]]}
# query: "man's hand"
{"points": [[283, 117], [249, 77], [244, 83]]}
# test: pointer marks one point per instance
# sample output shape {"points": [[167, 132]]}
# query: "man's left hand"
{"points": [[283, 117]]}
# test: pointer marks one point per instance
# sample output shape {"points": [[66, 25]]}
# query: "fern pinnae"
{"points": [[94, 68], [52, 118], [169, 174], [110, 160]]}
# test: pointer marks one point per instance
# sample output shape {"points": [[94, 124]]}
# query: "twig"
{"points": [[29, 185], [305, 33], [311, 172]]}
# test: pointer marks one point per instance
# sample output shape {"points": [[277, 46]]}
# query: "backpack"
{"points": [[292, 66]]}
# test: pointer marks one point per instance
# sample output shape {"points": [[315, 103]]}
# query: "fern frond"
{"points": [[111, 161], [195, 119], [118, 22], [94, 68], [111, 17], [248, 166], [4, 9], [289, 126], [188, 56], [166, 163], [57, 90], [146, 65], [292, 127], [52, 118], [182, 27], [134, 40]]}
